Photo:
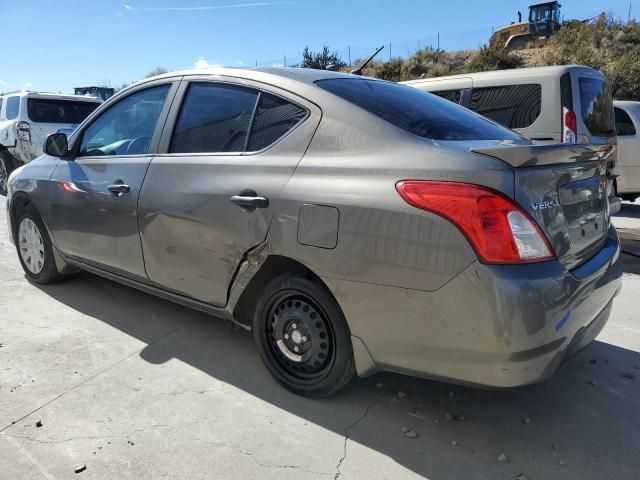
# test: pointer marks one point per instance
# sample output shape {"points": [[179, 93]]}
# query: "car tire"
{"points": [[6, 167], [303, 337], [35, 250]]}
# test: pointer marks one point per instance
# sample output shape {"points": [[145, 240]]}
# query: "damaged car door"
{"points": [[228, 149]]}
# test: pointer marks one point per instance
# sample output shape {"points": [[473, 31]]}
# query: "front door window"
{"points": [[127, 127]]}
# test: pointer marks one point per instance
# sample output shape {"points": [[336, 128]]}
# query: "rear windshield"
{"points": [[59, 111], [597, 107], [415, 111]]}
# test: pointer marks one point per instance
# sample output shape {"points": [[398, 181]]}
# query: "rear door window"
{"points": [[13, 108], [415, 111], [596, 107], [58, 111], [274, 118], [514, 106], [624, 124], [214, 118]]}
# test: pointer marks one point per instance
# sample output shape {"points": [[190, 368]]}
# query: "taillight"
{"points": [[569, 128], [498, 229], [23, 130]]}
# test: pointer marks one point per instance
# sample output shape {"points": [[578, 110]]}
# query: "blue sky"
{"points": [[56, 45]]}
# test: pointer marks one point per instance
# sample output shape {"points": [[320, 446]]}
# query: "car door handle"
{"points": [[250, 202], [119, 189]]}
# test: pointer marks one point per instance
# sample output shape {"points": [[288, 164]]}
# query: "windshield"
{"points": [[597, 107], [415, 111], [59, 111]]}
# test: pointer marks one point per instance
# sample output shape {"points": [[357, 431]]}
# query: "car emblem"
{"points": [[544, 204]]}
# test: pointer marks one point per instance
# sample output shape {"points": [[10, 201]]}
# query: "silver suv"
{"points": [[353, 224], [28, 118]]}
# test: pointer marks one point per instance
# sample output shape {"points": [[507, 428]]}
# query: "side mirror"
{"points": [[57, 145]]}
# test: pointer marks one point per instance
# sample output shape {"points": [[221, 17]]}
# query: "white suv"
{"points": [[27, 118]]}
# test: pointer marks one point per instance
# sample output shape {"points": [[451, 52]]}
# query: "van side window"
{"points": [[214, 118], [624, 124], [1, 99], [13, 108], [452, 95], [514, 106]]}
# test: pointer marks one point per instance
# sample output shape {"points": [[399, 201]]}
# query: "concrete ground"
{"points": [[100, 377]]}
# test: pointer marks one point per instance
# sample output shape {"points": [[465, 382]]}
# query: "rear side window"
{"points": [[214, 118], [514, 106], [596, 107], [624, 124], [13, 108], [58, 111], [274, 118], [416, 111], [452, 95]]}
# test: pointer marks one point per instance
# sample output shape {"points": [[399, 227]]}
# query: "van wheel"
{"points": [[303, 337], [35, 249], [6, 167]]}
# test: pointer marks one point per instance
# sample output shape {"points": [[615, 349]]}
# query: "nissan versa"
{"points": [[353, 224]]}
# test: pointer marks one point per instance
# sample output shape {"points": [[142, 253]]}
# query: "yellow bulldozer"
{"points": [[544, 21]]}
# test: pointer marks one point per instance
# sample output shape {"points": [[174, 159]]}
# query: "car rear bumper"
{"points": [[492, 325]]}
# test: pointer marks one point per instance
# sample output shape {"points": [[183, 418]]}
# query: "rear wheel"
{"points": [[35, 249], [302, 336]]}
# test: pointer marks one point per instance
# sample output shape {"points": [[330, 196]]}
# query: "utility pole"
{"points": [[629, 17], [438, 41], [349, 47], [285, 61], [389, 51]]}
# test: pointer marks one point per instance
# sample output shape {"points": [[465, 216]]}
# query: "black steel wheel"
{"points": [[302, 336]]}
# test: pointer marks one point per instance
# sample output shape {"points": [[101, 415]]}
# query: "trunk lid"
{"points": [[564, 188]]}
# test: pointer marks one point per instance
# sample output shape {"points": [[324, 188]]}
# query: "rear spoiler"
{"points": [[533, 155]]}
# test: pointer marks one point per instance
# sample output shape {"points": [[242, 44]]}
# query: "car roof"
{"points": [[556, 70], [262, 74], [55, 96]]}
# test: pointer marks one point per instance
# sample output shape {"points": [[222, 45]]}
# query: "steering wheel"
{"points": [[138, 143]]}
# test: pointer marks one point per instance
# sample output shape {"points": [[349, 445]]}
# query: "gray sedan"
{"points": [[354, 225]]}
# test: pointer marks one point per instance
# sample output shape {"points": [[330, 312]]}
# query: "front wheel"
{"points": [[6, 167], [303, 337], [35, 249]]}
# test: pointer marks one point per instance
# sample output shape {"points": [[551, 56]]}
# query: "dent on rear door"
{"points": [[193, 237]]}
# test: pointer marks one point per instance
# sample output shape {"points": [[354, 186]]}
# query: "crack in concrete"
{"points": [[383, 397], [87, 437], [258, 462], [338, 472]]}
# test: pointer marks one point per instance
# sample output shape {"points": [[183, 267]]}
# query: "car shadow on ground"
{"points": [[584, 422]]}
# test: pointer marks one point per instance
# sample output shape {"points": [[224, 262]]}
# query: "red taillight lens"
{"points": [[569, 126], [498, 229]]}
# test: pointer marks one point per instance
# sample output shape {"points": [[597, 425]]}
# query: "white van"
{"points": [[627, 183], [560, 104]]}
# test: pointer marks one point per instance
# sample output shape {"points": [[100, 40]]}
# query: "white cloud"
{"points": [[27, 85], [203, 63], [240, 62], [206, 7]]}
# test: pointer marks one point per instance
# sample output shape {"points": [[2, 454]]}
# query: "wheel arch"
{"points": [[275, 265]]}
